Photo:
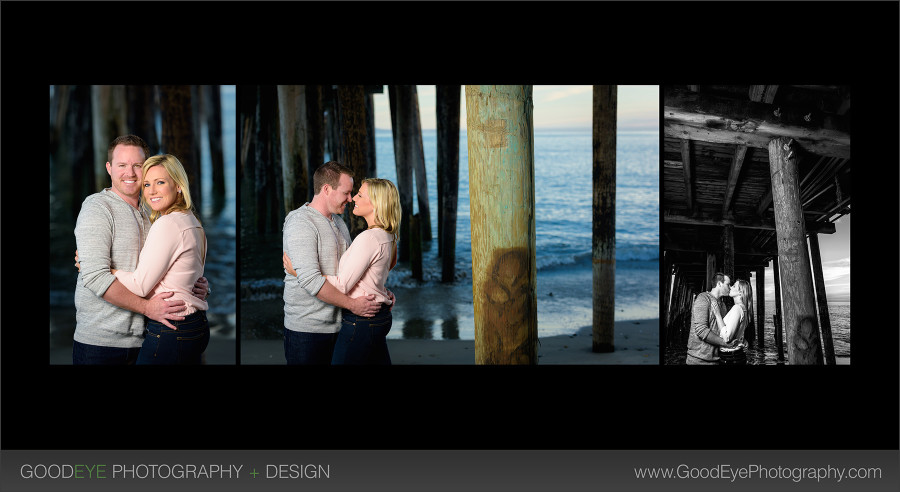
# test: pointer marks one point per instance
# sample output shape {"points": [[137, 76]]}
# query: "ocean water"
{"points": [[563, 228], [839, 314]]}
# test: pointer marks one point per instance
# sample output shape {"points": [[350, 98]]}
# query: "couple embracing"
{"points": [[717, 337], [140, 296], [337, 309]]}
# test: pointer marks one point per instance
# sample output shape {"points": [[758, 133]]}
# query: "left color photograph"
{"points": [[142, 225]]}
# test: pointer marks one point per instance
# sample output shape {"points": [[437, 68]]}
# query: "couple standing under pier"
{"points": [[337, 309], [717, 337]]}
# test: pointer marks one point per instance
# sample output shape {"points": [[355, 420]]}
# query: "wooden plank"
{"points": [[722, 120], [686, 169], [672, 218], [733, 175]]}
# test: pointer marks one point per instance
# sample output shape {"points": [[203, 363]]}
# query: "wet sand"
{"points": [[636, 342]]}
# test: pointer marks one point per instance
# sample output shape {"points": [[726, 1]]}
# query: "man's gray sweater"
{"points": [[315, 245], [109, 233]]}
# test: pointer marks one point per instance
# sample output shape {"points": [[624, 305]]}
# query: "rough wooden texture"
{"points": [[109, 116], [354, 144], [686, 173], [713, 119], [400, 105], [315, 117], [501, 196], [212, 109], [178, 136], [448, 113], [710, 271], [415, 125], [821, 298], [292, 119], [604, 217], [760, 306], [800, 322]]}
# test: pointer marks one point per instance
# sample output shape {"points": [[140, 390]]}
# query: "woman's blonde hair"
{"points": [[386, 201], [179, 176], [747, 296]]}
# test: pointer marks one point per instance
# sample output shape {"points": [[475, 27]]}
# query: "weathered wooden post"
{"points": [[728, 261], [776, 318], [403, 157], [710, 271], [109, 116], [664, 284], [824, 315], [501, 196], [760, 306], [315, 117], [354, 143], [141, 117], [178, 136], [292, 118], [371, 167], [804, 346], [415, 246], [604, 221], [415, 126], [447, 100], [212, 104]]}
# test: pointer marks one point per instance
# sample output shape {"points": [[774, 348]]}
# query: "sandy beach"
{"points": [[636, 342]]}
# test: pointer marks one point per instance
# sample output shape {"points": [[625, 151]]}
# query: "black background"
{"points": [[441, 407]]}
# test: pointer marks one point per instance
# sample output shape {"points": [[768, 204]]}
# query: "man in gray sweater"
{"points": [[109, 233], [314, 238]]}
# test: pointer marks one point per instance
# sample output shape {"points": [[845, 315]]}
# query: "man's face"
{"points": [[125, 170], [341, 196], [724, 286]]}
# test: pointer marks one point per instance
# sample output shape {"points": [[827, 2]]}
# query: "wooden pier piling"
{"points": [[605, 102], [822, 300], [501, 196], [292, 130], [448, 112], [804, 346]]}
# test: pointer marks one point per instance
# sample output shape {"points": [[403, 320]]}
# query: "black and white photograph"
{"points": [[755, 230]]}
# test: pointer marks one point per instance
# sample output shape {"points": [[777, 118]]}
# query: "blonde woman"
{"points": [[732, 326], [170, 260], [363, 270]]}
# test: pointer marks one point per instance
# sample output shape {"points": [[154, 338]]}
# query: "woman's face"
{"points": [[735, 291], [159, 189], [362, 205]]}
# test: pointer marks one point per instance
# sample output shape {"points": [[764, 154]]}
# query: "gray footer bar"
{"points": [[449, 470]]}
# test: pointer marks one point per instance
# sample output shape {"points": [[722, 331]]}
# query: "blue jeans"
{"points": [[363, 340], [163, 345], [83, 353], [311, 349]]}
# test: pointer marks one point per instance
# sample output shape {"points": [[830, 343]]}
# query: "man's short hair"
{"points": [[330, 174], [716, 278], [127, 140]]}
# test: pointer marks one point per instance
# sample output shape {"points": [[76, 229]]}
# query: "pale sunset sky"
{"points": [[555, 107]]}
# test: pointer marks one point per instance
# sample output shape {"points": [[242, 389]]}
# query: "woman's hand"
{"points": [[113, 271], [286, 261]]}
